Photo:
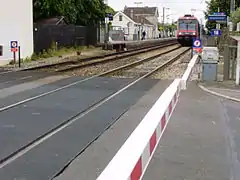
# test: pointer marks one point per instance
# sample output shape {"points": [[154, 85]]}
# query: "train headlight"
{"points": [[180, 33], [194, 33]]}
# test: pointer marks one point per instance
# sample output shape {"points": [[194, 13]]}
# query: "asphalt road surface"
{"points": [[24, 123], [8, 79]]}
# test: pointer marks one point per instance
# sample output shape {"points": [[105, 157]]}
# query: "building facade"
{"points": [[132, 26], [148, 15], [16, 25]]}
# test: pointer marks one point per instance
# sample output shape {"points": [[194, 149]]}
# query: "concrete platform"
{"points": [[120, 45], [142, 41], [202, 140]]}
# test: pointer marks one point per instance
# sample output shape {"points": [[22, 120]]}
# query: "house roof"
{"points": [[140, 19], [141, 10], [120, 12], [137, 18], [140, 13], [52, 21]]}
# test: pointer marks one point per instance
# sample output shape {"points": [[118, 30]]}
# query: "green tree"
{"points": [[223, 5], [50, 8], [110, 10], [212, 6], [172, 27], [235, 16], [81, 12]]}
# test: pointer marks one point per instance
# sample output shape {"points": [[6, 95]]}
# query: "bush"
{"points": [[56, 51]]}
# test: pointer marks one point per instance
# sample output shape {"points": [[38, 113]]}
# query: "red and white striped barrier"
{"points": [[188, 72], [133, 157]]}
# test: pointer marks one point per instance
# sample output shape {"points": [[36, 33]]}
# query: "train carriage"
{"points": [[188, 27]]}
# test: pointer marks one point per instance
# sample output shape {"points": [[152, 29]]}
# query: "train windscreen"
{"points": [[187, 24]]}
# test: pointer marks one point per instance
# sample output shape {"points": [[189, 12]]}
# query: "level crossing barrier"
{"points": [[132, 159], [188, 71]]}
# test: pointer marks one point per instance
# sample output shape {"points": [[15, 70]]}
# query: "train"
{"points": [[188, 28]]}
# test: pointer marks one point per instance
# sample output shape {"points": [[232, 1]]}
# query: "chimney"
{"points": [[131, 13]]}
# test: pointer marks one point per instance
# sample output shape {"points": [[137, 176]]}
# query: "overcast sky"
{"points": [[177, 8]]}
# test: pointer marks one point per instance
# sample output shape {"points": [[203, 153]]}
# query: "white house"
{"points": [[132, 25], [148, 14], [16, 18]]}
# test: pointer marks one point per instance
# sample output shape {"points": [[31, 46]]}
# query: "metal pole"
{"points": [[163, 21], [106, 33], [232, 6], [201, 28], [163, 15], [218, 25], [238, 64], [106, 28], [19, 56], [226, 62], [14, 57]]}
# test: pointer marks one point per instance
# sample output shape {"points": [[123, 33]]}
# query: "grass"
{"points": [[55, 52]]}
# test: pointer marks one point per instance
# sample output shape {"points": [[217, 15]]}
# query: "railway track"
{"points": [[36, 141], [105, 73], [138, 68], [94, 69], [82, 68], [74, 64]]}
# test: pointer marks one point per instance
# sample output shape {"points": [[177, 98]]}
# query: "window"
{"points": [[1, 50], [120, 17], [187, 24]]}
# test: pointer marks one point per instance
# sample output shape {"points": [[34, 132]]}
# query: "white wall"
{"points": [[133, 28], [124, 25], [16, 19], [154, 21]]}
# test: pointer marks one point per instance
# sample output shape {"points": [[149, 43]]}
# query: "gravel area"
{"points": [[146, 67], [67, 57], [93, 70], [176, 70]]}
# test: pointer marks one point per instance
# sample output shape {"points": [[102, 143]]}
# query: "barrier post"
{"points": [[19, 56]]}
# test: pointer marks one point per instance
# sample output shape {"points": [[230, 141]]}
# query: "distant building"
{"points": [[134, 20], [16, 20], [149, 13]]}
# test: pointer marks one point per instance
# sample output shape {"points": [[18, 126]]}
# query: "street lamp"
{"points": [[164, 19], [105, 2], [138, 3], [164, 13]]}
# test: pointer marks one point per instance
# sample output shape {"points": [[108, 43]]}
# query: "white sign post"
{"points": [[197, 43]]}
